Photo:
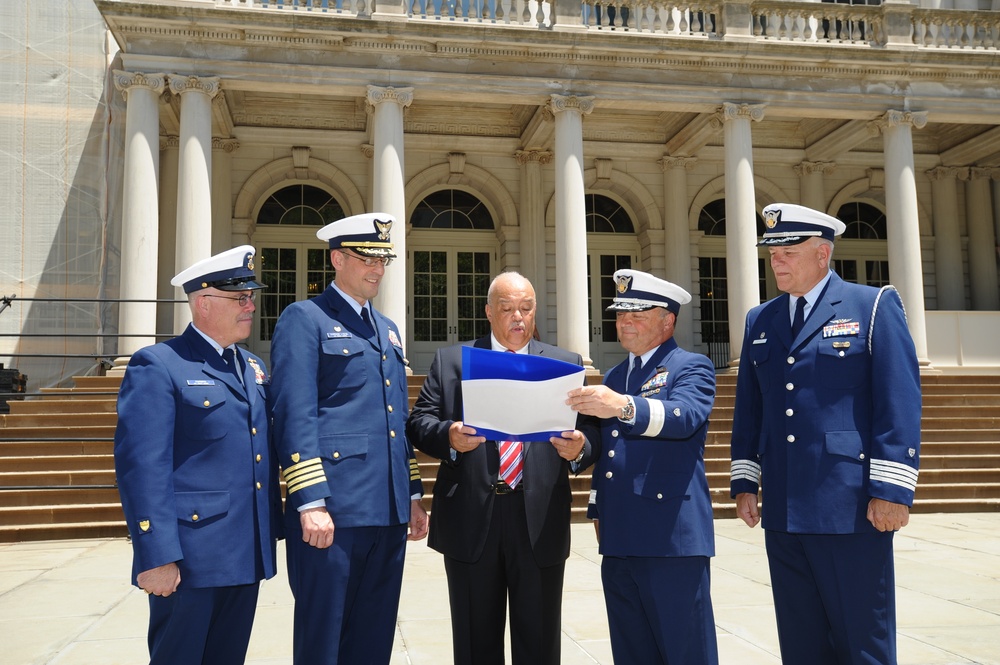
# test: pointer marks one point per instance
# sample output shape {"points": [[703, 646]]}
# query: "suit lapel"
{"points": [[211, 362], [344, 312]]}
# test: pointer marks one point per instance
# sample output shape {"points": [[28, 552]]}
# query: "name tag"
{"points": [[200, 382], [338, 335]]}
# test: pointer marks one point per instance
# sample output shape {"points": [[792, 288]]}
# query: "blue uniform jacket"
{"points": [[649, 488], [340, 407], [823, 424], [198, 481]]}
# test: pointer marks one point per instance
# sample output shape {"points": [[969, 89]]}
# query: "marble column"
{"points": [[386, 106], [139, 210], [743, 277], [222, 193], [677, 238], [168, 232], [532, 221], [947, 237], [572, 308], [194, 177], [811, 191], [982, 241], [902, 218]]}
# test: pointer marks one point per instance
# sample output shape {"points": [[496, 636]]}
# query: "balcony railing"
{"points": [[890, 25]]}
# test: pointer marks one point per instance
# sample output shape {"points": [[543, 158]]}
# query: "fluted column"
{"points": [[982, 241], [811, 191], [947, 239], [168, 231], [386, 106], [532, 220], [677, 237], [902, 219], [572, 309], [194, 177], [139, 209], [743, 278]]}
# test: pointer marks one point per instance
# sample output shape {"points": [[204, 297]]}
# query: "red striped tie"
{"points": [[511, 459]]}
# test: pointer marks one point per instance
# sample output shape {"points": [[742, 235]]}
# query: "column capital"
{"points": [[808, 168], [731, 111], [668, 163], [528, 156], [377, 95], [560, 103], [172, 141], [948, 172], [125, 81], [894, 118], [984, 173], [368, 150], [226, 145], [208, 85]]}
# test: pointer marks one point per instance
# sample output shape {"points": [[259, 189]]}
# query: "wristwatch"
{"points": [[627, 412], [579, 458]]}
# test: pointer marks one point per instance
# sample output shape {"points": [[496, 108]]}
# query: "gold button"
{"points": [[388, 382], [194, 518], [390, 408], [346, 351], [336, 456], [258, 457], [253, 431], [207, 403], [258, 484], [383, 356], [392, 434]]}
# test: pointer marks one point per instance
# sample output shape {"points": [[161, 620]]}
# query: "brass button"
{"points": [[207, 403], [253, 431], [194, 518], [258, 484], [258, 457], [659, 496], [790, 438], [789, 412], [789, 386], [608, 474], [383, 356], [346, 351], [392, 434], [336, 456], [790, 360], [390, 408], [388, 382], [611, 453]]}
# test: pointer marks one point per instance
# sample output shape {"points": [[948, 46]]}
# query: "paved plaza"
{"points": [[70, 603]]}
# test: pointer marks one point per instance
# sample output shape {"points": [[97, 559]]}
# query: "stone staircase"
{"points": [[57, 470]]}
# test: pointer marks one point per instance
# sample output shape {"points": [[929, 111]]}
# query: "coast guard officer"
{"points": [[827, 424], [340, 407], [198, 483], [649, 489]]}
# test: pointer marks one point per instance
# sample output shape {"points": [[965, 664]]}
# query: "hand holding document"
{"points": [[517, 396]]}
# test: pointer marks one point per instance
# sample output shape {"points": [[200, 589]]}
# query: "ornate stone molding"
{"points": [[525, 156], [456, 163], [368, 150], [984, 173], [668, 163], [603, 166], [560, 103], [893, 118], [808, 168], [125, 81], [377, 95], [876, 179], [208, 85], [171, 141], [226, 145], [730, 111], [948, 172]]}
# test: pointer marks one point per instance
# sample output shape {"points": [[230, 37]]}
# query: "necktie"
{"points": [[799, 320], [634, 379], [368, 321], [511, 459], [235, 366]]}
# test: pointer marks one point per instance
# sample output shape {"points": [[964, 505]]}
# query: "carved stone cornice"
{"points": [[226, 145], [948, 173], [560, 103], [208, 85], [893, 118], [125, 81], [377, 95], [808, 168], [668, 163], [528, 156]]}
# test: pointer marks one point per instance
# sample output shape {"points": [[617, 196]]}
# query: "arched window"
{"points": [[862, 262], [300, 205], [712, 219], [452, 209], [605, 215], [863, 221]]}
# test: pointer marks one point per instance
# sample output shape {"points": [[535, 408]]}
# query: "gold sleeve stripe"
{"points": [[303, 464], [298, 476], [303, 485], [414, 469]]}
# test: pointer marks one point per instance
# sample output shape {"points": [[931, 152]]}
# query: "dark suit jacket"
{"points": [[463, 494]]}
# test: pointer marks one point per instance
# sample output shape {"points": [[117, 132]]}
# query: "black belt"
{"points": [[500, 487]]}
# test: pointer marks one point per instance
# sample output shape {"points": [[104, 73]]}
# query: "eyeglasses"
{"points": [[243, 298], [370, 261]]}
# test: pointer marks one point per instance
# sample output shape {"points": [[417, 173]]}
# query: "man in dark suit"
{"points": [[198, 482], [340, 404], [650, 493], [499, 538], [827, 423]]}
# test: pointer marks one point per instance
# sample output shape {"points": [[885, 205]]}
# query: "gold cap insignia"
{"points": [[622, 283], [383, 229], [144, 525], [295, 457], [250, 263], [771, 218]]}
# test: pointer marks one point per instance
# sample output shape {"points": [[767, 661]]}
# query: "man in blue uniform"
{"points": [[649, 493], [340, 406], [827, 425], [501, 508], [198, 483]]}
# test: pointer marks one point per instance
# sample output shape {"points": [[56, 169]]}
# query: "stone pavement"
{"points": [[69, 602]]}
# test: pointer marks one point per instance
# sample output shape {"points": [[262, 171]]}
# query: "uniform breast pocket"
{"points": [[342, 366], [200, 508], [759, 356], [843, 363], [201, 413]]}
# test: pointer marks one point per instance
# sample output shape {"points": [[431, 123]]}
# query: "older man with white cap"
{"points": [[197, 479], [650, 495], [340, 407], [827, 424]]}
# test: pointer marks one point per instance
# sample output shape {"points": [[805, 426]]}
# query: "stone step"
{"points": [[25, 447], [50, 420], [945, 461], [75, 531], [25, 498], [958, 491], [57, 463], [59, 432], [61, 514], [104, 478], [63, 406]]}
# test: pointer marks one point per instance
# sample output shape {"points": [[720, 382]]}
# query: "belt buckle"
{"points": [[503, 488]]}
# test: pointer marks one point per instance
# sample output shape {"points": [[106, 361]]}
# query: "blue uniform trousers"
{"points": [[210, 626], [660, 610], [834, 597], [346, 595]]}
